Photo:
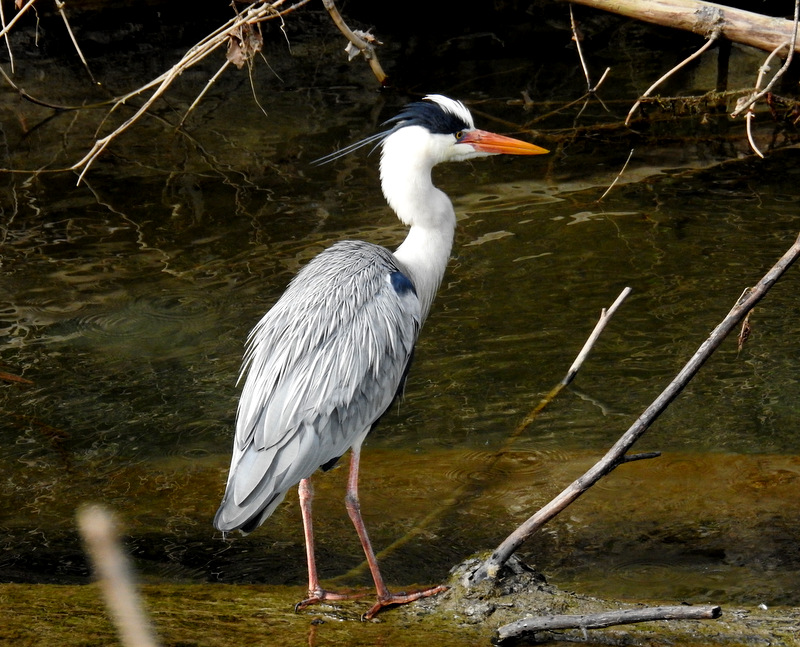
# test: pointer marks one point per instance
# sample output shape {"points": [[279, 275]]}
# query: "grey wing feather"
{"points": [[322, 366]]}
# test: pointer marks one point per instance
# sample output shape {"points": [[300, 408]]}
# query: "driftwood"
{"points": [[616, 456], [704, 18], [528, 628]]}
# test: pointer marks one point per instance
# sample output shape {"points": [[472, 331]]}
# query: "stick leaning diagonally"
{"points": [[615, 456]]}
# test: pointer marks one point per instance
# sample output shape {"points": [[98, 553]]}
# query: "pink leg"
{"points": [[385, 598], [315, 592]]}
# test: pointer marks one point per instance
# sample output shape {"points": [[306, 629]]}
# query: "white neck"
{"points": [[406, 181]]}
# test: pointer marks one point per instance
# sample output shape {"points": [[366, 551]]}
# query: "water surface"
{"points": [[125, 302]]}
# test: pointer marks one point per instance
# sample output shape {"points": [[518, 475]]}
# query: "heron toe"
{"points": [[321, 595], [402, 598]]}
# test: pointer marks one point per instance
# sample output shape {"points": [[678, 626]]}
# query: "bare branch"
{"points": [[20, 13], [254, 13], [5, 37], [211, 82], [605, 316], [577, 38]]}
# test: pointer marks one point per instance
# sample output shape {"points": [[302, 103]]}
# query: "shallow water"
{"points": [[125, 302]]}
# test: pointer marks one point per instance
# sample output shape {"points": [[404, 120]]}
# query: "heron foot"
{"points": [[320, 595], [402, 598]]}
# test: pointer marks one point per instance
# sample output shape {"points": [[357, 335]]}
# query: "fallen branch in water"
{"points": [[527, 628], [616, 456]]}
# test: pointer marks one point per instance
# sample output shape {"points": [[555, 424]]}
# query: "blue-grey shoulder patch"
{"points": [[401, 283]]}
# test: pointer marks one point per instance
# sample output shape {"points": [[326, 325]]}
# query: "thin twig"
{"points": [[577, 38], [490, 568], [113, 570], [20, 13], [711, 39], [750, 101], [5, 37], [605, 316], [39, 102], [60, 6], [759, 94], [600, 82], [619, 175], [211, 82]]}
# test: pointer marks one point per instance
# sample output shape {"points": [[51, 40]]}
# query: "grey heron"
{"points": [[327, 360]]}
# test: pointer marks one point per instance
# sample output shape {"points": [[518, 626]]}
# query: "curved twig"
{"points": [[764, 68], [711, 39]]}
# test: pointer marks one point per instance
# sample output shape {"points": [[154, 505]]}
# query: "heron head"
{"points": [[448, 126]]}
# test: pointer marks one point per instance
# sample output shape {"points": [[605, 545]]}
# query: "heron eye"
{"points": [[459, 135]]}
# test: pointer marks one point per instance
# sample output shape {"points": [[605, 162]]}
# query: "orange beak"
{"points": [[486, 142]]}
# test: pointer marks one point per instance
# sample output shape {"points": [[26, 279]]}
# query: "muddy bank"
{"points": [[215, 615]]}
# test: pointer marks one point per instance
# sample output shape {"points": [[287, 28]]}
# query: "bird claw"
{"points": [[321, 595], [402, 598]]}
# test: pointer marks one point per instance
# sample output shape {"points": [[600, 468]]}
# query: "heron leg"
{"points": [[316, 593], [385, 598]]}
